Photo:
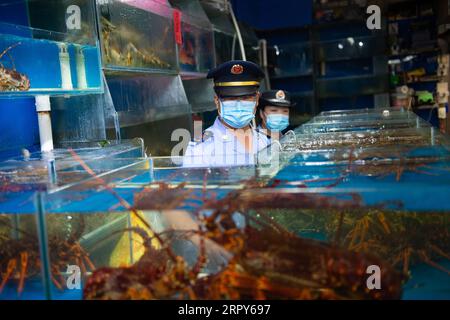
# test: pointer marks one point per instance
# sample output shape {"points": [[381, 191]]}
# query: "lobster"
{"points": [[11, 79]]}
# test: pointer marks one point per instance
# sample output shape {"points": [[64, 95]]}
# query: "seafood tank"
{"points": [[94, 224], [199, 226], [376, 191], [22, 177], [292, 60], [384, 121], [38, 262], [66, 57], [25, 184], [196, 48], [126, 44], [354, 47], [57, 67], [311, 230]]}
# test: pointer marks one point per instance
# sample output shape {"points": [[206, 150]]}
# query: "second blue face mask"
{"points": [[277, 122], [237, 113]]}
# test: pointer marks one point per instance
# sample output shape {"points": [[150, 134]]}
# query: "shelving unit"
{"points": [[291, 68], [350, 60], [336, 60], [413, 28]]}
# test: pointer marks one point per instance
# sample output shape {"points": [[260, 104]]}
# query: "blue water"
{"points": [[34, 290], [427, 283], [425, 190]]}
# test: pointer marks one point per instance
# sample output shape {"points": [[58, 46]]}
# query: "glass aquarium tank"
{"points": [[47, 256], [126, 44], [139, 99], [381, 138], [93, 222], [373, 114], [292, 60], [376, 192], [45, 247], [354, 85], [350, 48], [23, 176], [380, 119], [412, 241], [362, 125], [225, 40], [20, 257], [65, 50], [197, 39]]}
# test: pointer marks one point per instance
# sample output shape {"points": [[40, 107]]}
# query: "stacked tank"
{"points": [[26, 243], [382, 178]]}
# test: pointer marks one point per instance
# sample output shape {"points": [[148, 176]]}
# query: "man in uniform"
{"points": [[231, 140], [274, 106]]}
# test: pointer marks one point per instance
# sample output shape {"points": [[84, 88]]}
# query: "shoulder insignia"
{"points": [[207, 135]]}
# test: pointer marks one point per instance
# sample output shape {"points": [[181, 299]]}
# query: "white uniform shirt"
{"points": [[220, 148]]}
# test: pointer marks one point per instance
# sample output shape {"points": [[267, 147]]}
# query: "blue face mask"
{"points": [[277, 122], [237, 113]]}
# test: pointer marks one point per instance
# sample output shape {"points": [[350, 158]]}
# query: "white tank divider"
{"points": [[81, 67], [45, 123], [64, 62]]}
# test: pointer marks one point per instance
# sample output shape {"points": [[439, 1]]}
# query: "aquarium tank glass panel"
{"points": [[363, 125], [175, 170], [380, 190], [411, 136], [20, 255], [106, 218], [141, 99], [197, 40], [75, 18], [350, 48], [375, 114], [292, 60], [81, 242], [24, 175], [355, 85], [126, 44], [73, 245], [365, 225], [375, 119]]}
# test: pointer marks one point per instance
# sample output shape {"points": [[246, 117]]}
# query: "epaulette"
{"points": [[207, 135]]}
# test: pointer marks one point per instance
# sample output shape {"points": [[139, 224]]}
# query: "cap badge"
{"points": [[237, 69], [280, 95]]}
